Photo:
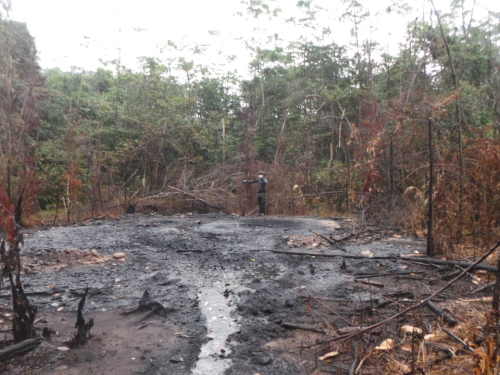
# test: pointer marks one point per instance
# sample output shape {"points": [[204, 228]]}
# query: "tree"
{"points": [[20, 95]]}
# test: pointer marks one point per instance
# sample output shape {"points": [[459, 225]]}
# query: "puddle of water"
{"points": [[220, 325]]}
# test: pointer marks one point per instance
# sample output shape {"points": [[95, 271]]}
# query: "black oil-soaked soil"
{"points": [[226, 296]]}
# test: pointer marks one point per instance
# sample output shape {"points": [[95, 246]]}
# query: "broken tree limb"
{"points": [[19, 348], [452, 263], [195, 197], [422, 303], [447, 317]]}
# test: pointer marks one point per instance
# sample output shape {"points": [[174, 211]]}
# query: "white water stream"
{"points": [[220, 325]]}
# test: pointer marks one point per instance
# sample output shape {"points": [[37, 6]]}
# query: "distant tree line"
{"points": [[317, 116]]}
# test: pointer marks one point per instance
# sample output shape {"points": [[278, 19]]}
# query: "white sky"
{"points": [[79, 33]]}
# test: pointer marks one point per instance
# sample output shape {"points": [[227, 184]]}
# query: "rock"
{"points": [[267, 310], [119, 256], [176, 359], [266, 360], [288, 303]]}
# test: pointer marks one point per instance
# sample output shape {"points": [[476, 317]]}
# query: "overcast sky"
{"points": [[79, 33]]}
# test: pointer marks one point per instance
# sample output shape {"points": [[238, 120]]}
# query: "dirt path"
{"points": [[227, 298]]}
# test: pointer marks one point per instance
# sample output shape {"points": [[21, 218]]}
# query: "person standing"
{"points": [[261, 191]]}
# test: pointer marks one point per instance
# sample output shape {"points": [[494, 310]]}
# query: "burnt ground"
{"points": [[233, 307]]}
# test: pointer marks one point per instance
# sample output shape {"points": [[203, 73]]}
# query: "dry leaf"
{"points": [[429, 337], [410, 329], [60, 308], [406, 347], [386, 345], [328, 355], [63, 348]]}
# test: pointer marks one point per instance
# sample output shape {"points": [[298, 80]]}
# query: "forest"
{"points": [[408, 139]]}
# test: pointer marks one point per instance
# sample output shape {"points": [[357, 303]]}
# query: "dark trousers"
{"points": [[261, 199]]}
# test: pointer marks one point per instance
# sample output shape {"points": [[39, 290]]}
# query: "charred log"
{"points": [[20, 348]]}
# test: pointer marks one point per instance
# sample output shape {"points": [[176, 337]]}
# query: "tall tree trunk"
{"points": [[430, 241], [459, 123]]}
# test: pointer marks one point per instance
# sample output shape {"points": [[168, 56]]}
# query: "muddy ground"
{"points": [[232, 305]]}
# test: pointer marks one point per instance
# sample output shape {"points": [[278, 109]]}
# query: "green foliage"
{"points": [[328, 117]]}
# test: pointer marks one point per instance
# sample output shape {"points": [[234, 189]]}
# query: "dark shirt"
{"points": [[262, 184]]}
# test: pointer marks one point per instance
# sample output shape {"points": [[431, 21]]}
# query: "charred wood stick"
{"points": [[302, 328], [350, 330], [190, 251], [447, 351], [496, 294], [352, 370], [473, 277], [333, 242], [371, 283], [480, 289], [477, 266], [410, 277], [370, 275], [328, 255], [20, 348], [456, 338], [83, 328], [334, 299], [31, 294], [384, 304], [405, 311], [447, 317]]}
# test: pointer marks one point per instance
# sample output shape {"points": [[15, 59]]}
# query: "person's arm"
{"points": [[250, 181]]}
